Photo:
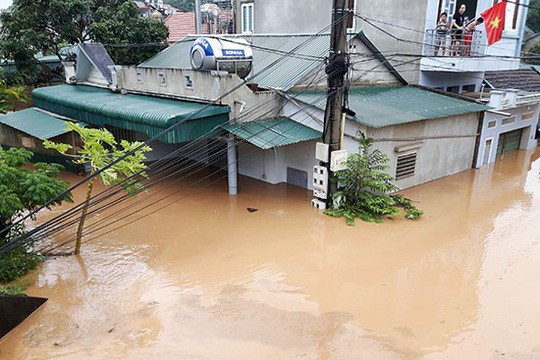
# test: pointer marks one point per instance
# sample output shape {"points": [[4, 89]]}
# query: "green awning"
{"points": [[380, 106], [146, 114], [270, 133], [36, 123]]}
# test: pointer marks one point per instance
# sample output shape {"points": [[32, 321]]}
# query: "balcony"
{"points": [[442, 53]]}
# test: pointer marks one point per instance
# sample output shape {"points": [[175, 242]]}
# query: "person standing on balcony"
{"points": [[468, 36], [440, 34], [458, 22]]}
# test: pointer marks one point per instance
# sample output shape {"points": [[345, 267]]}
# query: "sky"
{"points": [[4, 3]]}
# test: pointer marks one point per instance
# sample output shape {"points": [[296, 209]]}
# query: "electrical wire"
{"points": [[154, 138], [146, 142]]}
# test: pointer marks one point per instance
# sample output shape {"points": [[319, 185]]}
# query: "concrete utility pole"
{"points": [[338, 65], [198, 18]]}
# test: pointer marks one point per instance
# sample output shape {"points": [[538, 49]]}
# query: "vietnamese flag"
{"points": [[494, 22]]}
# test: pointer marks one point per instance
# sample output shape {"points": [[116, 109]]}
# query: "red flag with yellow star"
{"points": [[494, 22]]}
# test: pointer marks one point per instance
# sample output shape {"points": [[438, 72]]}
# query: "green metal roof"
{"points": [[271, 133], [146, 114], [380, 106], [36, 123], [267, 49]]}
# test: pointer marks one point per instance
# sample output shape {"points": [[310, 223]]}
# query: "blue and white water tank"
{"points": [[233, 55]]}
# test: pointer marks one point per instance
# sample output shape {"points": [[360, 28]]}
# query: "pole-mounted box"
{"points": [[320, 182], [322, 151], [338, 160]]}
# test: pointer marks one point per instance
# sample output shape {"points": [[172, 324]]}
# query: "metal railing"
{"points": [[452, 44]]}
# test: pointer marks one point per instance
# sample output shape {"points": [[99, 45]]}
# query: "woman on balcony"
{"points": [[458, 20]]}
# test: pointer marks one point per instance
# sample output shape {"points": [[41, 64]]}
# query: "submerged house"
{"points": [[512, 121], [266, 110]]}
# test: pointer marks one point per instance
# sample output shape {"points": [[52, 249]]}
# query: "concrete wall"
{"points": [[204, 87], [446, 145], [529, 127], [271, 165]]}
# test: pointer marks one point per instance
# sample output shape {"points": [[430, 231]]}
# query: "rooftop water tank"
{"points": [[232, 55]]}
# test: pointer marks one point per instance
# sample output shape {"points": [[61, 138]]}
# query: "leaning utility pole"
{"points": [[337, 68], [198, 19]]}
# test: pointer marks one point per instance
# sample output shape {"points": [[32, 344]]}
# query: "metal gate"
{"points": [[509, 141]]}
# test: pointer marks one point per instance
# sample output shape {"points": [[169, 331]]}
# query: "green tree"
{"points": [[22, 190], [9, 97], [533, 15], [30, 27], [99, 150], [364, 188]]}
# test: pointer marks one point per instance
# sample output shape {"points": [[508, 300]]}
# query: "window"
{"points": [[27, 142], [447, 6], [469, 88], [492, 124], [527, 116], [509, 120], [247, 18], [453, 89], [406, 164]]}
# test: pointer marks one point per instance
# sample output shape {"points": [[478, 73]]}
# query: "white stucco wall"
{"points": [[447, 145], [527, 138], [226, 90]]}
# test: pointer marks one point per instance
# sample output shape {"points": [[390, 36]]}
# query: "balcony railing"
{"points": [[450, 44]]}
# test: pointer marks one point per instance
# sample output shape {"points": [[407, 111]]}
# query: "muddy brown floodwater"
{"points": [[206, 279]]}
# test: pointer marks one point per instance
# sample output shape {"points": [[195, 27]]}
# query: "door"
{"points": [[509, 141], [450, 7], [470, 12]]}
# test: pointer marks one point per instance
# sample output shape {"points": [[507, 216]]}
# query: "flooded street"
{"points": [[206, 279]]}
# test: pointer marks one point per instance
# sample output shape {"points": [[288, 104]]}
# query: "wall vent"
{"points": [[188, 82], [406, 164], [162, 79]]}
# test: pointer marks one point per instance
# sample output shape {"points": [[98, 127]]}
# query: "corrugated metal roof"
{"points": [[309, 49], [35, 123], [145, 114], [380, 106], [270, 133]]}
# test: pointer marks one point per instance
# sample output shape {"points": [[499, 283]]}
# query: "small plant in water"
{"points": [[365, 189]]}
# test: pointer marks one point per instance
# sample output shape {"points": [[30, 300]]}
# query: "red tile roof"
{"points": [[141, 5], [180, 24]]}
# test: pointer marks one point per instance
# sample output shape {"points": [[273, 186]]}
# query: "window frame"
{"points": [[246, 27]]}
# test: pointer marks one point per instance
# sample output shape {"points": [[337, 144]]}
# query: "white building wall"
{"points": [[529, 130], [446, 145], [271, 165]]}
